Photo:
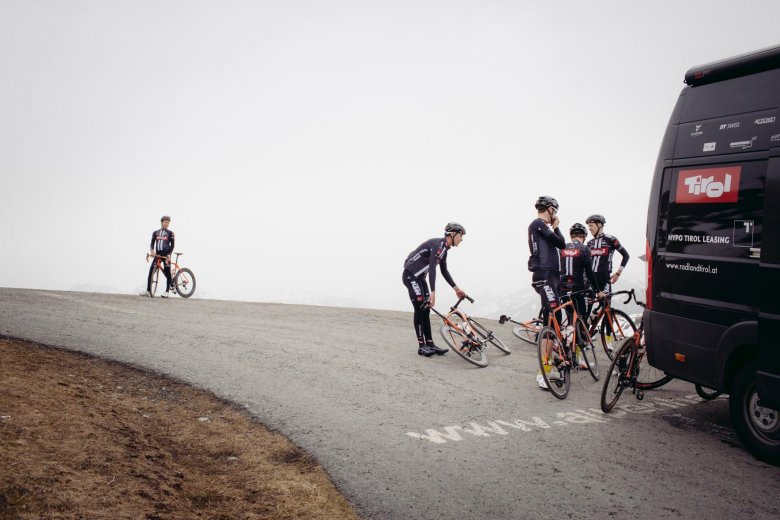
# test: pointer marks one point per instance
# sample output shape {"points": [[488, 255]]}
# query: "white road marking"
{"points": [[501, 427]]}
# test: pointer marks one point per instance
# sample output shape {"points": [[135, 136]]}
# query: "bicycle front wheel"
{"points": [[528, 332], [553, 364], [610, 337], [155, 280], [184, 283], [587, 349], [464, 347], [489, 337], [707, 393], [617, 378]]}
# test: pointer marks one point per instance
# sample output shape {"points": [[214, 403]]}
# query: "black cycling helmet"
{"points": [[598, 219], [165, 217], [544, 202], [454, 227], [578, 229]]}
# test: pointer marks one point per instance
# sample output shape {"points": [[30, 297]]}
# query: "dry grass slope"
{"points": [[87, 438]]}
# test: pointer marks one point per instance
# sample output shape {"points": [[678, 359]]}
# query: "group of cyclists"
{"points": [[566, 267]]}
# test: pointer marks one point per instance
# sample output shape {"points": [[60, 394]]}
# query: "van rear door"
{"points": [[710, 232]]}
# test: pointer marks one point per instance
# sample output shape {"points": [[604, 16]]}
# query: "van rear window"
{"points": [[713, 210]]}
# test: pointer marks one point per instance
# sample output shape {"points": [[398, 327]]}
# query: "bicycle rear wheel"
{"points": [[587, 349], [489, 336], [617, 378], [555, 370], [622, 327], [464, 347], [155, 280], [528, 334], [184, 283], [649, 377]]}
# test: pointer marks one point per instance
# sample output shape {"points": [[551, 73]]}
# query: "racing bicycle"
{"points": [[527, 331], [183, 279], [466, 337], [557, 346], [631, 370], [608, 326]]}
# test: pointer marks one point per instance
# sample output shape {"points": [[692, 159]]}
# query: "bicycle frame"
{"points": [[468, 334], [605, 312]]}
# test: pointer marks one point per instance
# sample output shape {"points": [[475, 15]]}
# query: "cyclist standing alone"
{"points": [[162, 244], [419, 262]]}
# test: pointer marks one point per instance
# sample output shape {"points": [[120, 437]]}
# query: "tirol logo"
{"points": [[710, 185]]}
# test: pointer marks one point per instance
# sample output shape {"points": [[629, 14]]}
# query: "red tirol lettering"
{"points": [[709, 185]]}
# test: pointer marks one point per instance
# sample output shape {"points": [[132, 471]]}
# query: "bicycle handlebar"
{"points": [[504, 318]]}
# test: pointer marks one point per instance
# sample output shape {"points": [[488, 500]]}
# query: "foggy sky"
{"points": [[304, 148]]}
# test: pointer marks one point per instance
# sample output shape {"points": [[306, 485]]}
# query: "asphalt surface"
{"points": [[405, 436]]}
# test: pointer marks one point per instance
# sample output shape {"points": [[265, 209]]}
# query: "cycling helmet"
{"points": [[165, 217], [578, 229], [454, 227], [544, 202], [598, 219]]}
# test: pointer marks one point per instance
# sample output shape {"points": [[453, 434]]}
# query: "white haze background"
{"points": [[303, 148]]}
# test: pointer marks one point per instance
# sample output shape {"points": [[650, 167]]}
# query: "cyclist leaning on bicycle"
{"points": [[602, 247], [576, 268], [162, 244], [422, 260], [544, 241]]}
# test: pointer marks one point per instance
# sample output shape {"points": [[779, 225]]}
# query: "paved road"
{"points": [[408, 437]]}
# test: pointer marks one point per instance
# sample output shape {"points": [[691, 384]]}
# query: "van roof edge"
{"points": [[752, 62]]}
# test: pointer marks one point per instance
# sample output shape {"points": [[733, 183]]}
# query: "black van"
{"points": [[713, 242]]}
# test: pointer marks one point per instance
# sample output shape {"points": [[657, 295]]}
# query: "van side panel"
{"points": [[769, 318]]}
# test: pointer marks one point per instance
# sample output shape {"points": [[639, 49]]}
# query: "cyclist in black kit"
{"points": [[161, 244], [576, 275], [419, 262], [544, 241], [602, 246]]}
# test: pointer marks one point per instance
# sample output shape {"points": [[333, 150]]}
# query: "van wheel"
{"points": [[758, 427]]}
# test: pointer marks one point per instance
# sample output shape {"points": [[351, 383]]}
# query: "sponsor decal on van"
{"points": [[743, 145], [764, 120], [709, 185], [709, 147]]}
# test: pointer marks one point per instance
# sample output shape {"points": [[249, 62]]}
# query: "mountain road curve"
{"points": [[404, 436]]}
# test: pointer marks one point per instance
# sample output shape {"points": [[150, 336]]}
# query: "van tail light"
{"points": [[649, 267]]}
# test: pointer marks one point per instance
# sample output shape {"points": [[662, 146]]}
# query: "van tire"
{"points": [[758, 428]]}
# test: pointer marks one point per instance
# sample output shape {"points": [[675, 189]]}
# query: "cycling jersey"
{"points": [[544, 243], [575, 267], [162, 242], [425, 258], [601, 249]]}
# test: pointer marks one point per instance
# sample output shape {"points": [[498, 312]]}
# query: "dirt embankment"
{"points": [[86, 438]]}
